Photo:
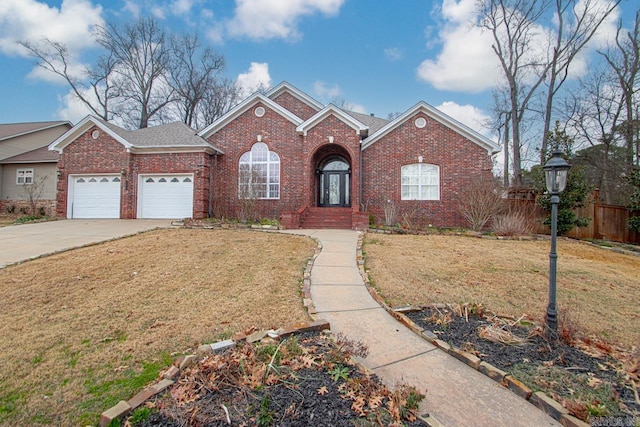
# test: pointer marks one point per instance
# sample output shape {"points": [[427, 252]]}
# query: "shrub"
{"points": [[479, 202], [514, 223]]}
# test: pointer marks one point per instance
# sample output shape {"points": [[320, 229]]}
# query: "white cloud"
{"points": [[73, 109], [393, 54], [182, 7], [159, 12], [256, 78], [266, 19], [132, 8], [466, 62], [323, 90], [468, 115], [460, 12], [30, 20]]}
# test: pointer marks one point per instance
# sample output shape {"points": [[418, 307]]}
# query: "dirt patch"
{"points": [[83, 329], [597, 288], [588, 383], [307, 379]]}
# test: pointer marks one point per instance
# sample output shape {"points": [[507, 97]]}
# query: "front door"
{"points": [[334, 182]]}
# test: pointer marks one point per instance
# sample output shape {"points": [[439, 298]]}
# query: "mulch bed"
{"points": [[584, 376], [307, 379]]}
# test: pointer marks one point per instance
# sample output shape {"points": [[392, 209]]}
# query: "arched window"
{"points": [[420, 181], [259, 173]]}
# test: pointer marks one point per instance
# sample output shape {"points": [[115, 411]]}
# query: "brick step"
{"points": [[327, 218]]}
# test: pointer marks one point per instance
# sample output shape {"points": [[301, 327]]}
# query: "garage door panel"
{"points": [[166, 196], [95, 197]]}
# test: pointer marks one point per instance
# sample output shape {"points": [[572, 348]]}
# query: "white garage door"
{"points": [[165, 196], [95, 196]]}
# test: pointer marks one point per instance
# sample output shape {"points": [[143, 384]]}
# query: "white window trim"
{"points": [[27, 174], [268, 163], [422, 193]]}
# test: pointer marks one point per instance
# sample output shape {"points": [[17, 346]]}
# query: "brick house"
{"points": [[280, 155]]}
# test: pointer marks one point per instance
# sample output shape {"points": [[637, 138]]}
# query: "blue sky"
{"points": [[379, 56]]}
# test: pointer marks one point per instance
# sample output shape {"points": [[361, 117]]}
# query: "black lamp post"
{"points": [[556, 170]]}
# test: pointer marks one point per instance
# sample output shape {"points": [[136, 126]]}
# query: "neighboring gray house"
{"points": [[25, 160]]}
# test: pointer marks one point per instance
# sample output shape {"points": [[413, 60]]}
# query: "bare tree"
{"points": [[194, 75], [516, 27], [223, 95], [624, 62], [577, 23], [55, 57], [512, 24], [142, 55], [144, 76]]}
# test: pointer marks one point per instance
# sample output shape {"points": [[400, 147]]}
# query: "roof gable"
{"points": [[84, 125], [13, 130], [438, 116], [169, 137], [332, 110], [296, 93], [241, 108]]}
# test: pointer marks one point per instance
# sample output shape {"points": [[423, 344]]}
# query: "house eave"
{"points": [[242, 108], [441, 118], [171, 150], [359, 128], [79, 129]]}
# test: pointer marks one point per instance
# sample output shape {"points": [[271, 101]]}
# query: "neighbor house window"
{"points": [[259, 173], [24, 176], [421, 181]]}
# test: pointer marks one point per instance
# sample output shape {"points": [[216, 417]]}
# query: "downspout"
{"points": [[211, 165], [360, 162]]}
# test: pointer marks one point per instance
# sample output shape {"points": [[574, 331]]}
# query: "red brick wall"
{"points": [[195, 163], [106, 155], [460, 160], [318, 146], [298, 160], [297, 107], [88, 155], [280, 135]]}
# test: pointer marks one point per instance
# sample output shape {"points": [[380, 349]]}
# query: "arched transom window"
{"points": [[259, 173], [421, 181]]}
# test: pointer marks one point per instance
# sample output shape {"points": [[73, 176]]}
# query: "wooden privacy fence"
{"points": [[607, 221]]}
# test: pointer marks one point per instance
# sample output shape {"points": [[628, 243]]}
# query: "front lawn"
{"points": [[597, 288], [83, 329]]}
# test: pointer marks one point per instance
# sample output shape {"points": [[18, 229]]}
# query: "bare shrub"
{"points": [[390, 213], [478, 202], [34, 191], [411, 217], [251, 187], [512, 223]]}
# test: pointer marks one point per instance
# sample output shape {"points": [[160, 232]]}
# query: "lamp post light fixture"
{"points": [[556, 170]]}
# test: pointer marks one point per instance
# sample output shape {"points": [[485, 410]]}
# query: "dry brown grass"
{"points": [[82, 329], [597, 288]]}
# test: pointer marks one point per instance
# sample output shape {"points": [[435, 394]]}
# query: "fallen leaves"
{"points": [[238, 378]]}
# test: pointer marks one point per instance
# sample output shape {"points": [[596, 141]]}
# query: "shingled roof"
{"points": [[373, 123], [11, 130], [39, 155], [176, 135]]}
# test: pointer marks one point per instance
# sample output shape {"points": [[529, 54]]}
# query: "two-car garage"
{"points": [[159, 196]]}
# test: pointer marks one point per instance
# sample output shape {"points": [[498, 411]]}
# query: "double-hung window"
{"points": [[24, 176], [259, 173], [420, 181]]}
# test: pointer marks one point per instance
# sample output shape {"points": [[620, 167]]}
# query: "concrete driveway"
{"points": [[26, 241]]}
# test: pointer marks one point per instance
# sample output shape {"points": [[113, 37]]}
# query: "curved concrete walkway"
{"points": [[457, 395]]}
